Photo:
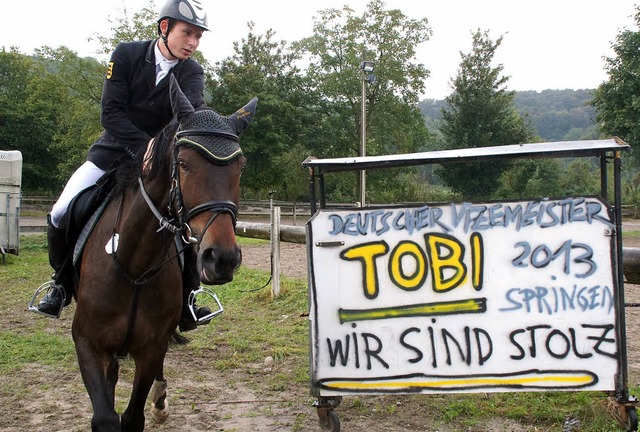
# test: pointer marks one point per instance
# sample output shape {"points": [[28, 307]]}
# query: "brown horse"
{"points": [[129, 296]]}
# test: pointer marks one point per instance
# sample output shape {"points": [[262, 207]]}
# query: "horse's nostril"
{"points": [[219, 265]]}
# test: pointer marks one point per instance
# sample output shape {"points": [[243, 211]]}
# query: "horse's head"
{"points": [[208, 162]]}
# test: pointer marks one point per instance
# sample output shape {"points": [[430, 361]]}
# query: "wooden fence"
{"points": [[255, 214]]}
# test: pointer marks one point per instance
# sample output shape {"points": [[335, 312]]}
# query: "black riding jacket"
{"points": [[134, 109]]}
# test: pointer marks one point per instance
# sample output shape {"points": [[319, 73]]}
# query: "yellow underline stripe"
{"points": [[425, 309], [559, 379]]}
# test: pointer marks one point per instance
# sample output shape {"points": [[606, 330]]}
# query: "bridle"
{"points": [[178, 221]]}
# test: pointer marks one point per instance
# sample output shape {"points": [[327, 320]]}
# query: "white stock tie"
{"points": [[162, 69]]}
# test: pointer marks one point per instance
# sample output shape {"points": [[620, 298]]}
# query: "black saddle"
{"points": [[83, 208]]}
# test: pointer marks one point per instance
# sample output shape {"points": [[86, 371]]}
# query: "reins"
{"points": [[154, 271]]}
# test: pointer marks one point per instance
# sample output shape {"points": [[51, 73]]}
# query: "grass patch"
{"points": [[543, 409], [17, 350], [255, 325], [247, 241]]}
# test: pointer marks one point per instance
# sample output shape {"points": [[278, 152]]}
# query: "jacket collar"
{"points": [[150, 65]]}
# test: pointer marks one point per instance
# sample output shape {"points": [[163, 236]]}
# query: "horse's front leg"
{"points": [[112, 378], [95, 366], [148, 366]]}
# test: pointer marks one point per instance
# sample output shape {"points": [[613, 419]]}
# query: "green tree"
{"points": [[618, 99], [341, 41], [294, 182], [32, 106], [479, 113], [529, 179], [538, 178], [580, 177], [126, 27], [263, 67], [83, 78]]}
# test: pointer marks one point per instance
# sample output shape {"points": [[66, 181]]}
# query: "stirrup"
{"points": [[49, 287], [192, 301]]}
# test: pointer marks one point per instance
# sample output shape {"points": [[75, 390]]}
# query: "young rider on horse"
{"points": [[135, 107]]}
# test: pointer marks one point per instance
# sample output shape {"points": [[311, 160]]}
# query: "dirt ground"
{"points": [[212, 401]]}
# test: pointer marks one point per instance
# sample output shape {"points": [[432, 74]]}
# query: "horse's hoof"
{"points": [[159, 402], [160, 415]]}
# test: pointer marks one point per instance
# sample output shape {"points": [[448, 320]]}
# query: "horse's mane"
{"points": [[129, 170]]}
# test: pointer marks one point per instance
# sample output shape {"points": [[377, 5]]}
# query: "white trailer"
{"points": [[10, 196]]}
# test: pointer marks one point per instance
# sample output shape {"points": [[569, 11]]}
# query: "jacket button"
{"points": [[150, 102]]}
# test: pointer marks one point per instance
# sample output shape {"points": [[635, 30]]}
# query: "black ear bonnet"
{"points": [[212, 135]]}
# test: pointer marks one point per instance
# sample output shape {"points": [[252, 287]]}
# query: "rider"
{"points": [[135, 107]]}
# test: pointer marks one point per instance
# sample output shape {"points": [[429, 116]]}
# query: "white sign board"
{"points": [[509, 296]]}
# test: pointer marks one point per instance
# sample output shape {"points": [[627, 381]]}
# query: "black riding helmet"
{"points": [[189, 11]]}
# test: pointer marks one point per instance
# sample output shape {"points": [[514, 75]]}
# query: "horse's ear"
{"points": [[180, 105], [244, 116]]}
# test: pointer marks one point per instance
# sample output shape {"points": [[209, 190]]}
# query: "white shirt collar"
{"points": [[160, 58]]}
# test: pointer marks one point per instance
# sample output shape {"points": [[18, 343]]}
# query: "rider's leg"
{"points": [[85, 176], [190, 283], [60, 247], [60, 289]]}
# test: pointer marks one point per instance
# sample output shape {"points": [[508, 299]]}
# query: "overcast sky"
{"points": [[548, 44]]}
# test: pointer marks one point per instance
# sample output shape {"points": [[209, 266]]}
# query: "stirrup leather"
{"points": [[204, 291], [47, 288]]}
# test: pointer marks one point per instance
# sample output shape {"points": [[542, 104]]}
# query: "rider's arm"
{"points": [[115, 100]]}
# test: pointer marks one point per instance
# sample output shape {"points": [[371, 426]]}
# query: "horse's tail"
{"points": [[178, 339]]}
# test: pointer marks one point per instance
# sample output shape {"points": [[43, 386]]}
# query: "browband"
{"points": [[195, 132]]}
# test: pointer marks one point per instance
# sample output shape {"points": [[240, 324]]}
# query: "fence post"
{"points": [[275, 251], [295, 212]]}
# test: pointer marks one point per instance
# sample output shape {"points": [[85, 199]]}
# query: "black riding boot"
{"points": [[61, 288], [190, 283]]}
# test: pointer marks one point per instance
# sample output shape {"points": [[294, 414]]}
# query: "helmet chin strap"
{"points": [[166, 44]]}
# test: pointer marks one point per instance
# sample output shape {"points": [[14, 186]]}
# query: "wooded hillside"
{"points": [[556, 115]]}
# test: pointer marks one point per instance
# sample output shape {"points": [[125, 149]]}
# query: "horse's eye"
{"points": [[183, 165]]}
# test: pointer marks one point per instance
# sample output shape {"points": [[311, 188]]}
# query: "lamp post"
{"points": [[367, 77]]}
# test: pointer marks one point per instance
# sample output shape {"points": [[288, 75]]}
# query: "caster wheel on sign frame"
{"points": [[624, 412], [330, 421], [631, 424]]}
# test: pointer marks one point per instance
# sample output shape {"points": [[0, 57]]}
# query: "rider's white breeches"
{"points": [[85, 176]]}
